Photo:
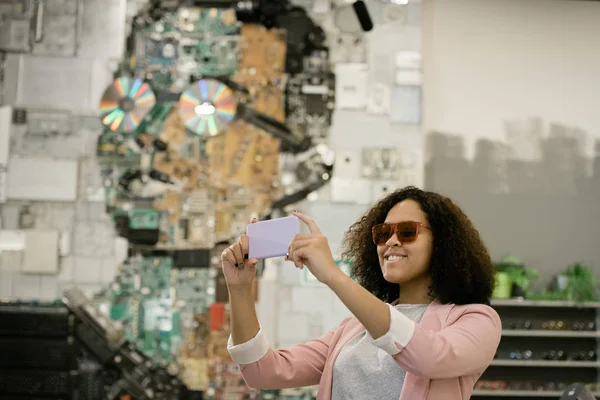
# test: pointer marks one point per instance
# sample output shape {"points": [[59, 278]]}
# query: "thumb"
{"points": [[252, 262]]}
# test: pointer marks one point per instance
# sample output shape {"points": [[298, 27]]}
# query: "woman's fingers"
{"points": [[236, 249], [312, 225], [243, 241], [228, 255]]}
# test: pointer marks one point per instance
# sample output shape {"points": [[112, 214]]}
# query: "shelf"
{"points": [[542, 303], [520, 393], [544, 363], [550, 333], [517, 393]]}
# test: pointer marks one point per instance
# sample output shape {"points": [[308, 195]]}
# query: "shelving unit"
{"points": [[546, 333], [552, 394], [536, 377]]}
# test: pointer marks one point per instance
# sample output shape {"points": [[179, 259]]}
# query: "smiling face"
{"points": [[407, 263]]}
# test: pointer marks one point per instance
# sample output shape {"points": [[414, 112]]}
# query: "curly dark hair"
{"points": [[461, 269]]}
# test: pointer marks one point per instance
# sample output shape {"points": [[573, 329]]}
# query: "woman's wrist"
{"points": [[336, 278], [241, 290]]}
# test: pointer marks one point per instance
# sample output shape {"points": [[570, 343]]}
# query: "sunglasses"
{"points": [[407, 232]]}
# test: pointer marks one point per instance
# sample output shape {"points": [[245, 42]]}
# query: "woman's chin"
{"points": [[394, 276]]}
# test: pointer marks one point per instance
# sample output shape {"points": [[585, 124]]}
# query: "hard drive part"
{"points": [[17, 383], [141, 379], [149, 185], [298, 196], [309, 172], [289, 141], [84, 309], [40, 353], [35, 321]]}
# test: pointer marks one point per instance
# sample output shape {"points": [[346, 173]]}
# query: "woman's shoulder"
{"points": [[472, 312]]}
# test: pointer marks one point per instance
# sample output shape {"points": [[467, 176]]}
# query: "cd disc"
{"points": [[125, 103], [207, 107]]}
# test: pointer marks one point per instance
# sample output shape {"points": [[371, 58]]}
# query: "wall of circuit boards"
{"points": [[216, 115]]}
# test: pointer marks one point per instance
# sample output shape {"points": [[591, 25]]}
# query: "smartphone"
{"points": [[271, 238]]}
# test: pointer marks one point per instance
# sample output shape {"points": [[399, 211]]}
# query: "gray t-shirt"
{"points": [[363, 371]]}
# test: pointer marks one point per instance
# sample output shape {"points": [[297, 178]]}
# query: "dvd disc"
{"points": [[125, 103], [207, 107]]}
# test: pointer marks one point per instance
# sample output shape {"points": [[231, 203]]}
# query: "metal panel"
{"points": [[41, 252], [55, 27], [15, 35], [3, 195], [55, 82], [102, 33], [15, 25], [5, 133], [42, 179]]}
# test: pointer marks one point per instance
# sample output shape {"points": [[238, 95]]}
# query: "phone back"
{"points": [[271, 238]]}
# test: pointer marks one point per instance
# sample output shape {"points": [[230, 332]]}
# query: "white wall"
{"points": [[490, 61], [72, 85]]}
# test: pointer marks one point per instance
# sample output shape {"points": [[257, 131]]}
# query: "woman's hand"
{"points": [[312, 249], [239, 271]]}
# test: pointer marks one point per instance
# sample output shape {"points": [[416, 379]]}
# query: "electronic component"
{"points": [[207, 107], [378, 101], [380, 163], [75, 352], [362, 13], [189, 166], [351, 86], [310, 98], [125, 103], [577, 392]]}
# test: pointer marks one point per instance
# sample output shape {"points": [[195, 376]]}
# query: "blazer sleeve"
{"points": [[465, 347], [265, 368]]}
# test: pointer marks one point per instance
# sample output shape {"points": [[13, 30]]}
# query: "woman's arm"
{"points": [[463, 348], [265, 368], [313, 251], [243, 319], [373, 313]]}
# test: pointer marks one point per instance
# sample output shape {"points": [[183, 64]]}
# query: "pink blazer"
{"points": [[443, 355]]}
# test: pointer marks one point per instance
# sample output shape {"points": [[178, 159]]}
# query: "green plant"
{"points": [[582, 285], [519, 275]]}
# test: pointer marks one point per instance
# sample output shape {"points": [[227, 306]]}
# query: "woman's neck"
{"points": [[416, 291]]}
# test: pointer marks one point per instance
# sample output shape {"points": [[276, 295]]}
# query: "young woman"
{"points": [[421, 327]]}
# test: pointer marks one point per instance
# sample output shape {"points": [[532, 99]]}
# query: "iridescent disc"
{"points": [[125, 103], [207, 107]]}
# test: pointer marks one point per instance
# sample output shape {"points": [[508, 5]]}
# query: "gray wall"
{"points": [[512, 130]]}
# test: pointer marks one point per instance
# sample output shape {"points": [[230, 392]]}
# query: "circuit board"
{"points": [[205, 127]]}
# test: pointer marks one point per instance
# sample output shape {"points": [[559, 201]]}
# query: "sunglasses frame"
{"points": [[395, 231]]}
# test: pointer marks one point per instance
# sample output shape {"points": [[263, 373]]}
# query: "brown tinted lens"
{"points": [[407, 231], [381, 234]]}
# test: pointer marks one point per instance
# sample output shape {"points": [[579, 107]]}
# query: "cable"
{"points": [[362, 13]]}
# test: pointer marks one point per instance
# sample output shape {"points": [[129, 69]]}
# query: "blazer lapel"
{"points": [[416, 387]]}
